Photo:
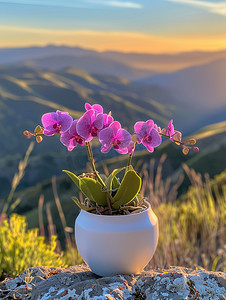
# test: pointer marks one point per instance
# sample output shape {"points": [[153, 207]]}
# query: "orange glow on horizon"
{"points": [[112, 41]]}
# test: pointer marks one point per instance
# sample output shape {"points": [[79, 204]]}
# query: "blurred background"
{"points": [[140, 59]]}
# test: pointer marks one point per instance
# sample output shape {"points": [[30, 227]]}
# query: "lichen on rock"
{"points": [[80, 283]]}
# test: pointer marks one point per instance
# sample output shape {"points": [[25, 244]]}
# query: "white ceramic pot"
{"points": [[113, 245]]}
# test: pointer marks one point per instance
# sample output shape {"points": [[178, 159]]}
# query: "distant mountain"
{"points": [[202, 86], [128, 65], [91, 63]]}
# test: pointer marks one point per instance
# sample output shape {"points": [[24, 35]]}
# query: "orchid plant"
{"points": [[107, 195]]}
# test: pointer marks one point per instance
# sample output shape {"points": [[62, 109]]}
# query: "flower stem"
{"points": [[108, 193], [91, 159], [129, 160], [131, 155]]}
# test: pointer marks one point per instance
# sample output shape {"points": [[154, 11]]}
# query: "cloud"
{"points": [[107, 40], [117, 3], [69, 3], [213, 7]]}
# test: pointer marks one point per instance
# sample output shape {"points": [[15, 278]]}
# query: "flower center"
{"points": [[115, 144], [93, 131], [148, 138], [78, 139], [57, 127]]}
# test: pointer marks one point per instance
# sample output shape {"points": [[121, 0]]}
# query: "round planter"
{"points": [[113, 245]]}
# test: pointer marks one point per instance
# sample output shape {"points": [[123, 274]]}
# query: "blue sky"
{"points": [[164, 18]]}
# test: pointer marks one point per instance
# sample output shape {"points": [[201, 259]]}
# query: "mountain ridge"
{"points": [[129, 65]]}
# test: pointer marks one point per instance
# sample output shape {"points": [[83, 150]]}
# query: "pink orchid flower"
{"points": [[90, 124], [116, 137], [56, 122], [147, 134], [71, 138]]}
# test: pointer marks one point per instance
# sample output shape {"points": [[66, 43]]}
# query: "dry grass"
{"points": [[191, 227]]}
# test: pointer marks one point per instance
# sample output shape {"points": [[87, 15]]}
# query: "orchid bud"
{"points": [[27, 134], [185, 150], [163, 131], [196, 149], [192, 141], [38, 139], [177, 137], [39, 130]]}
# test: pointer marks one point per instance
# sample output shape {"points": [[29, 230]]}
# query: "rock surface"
{"points": [[80, 283]]}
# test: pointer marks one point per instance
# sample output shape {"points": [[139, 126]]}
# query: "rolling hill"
{"points": [[129, 65], [203, 86]]}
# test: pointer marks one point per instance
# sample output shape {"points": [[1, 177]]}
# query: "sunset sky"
{"points": [[151, 26]]}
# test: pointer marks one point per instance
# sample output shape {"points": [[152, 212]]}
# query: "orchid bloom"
{"points": [[116, 137], [71, 138], [147, 134], [90, 124], [56, 122]]}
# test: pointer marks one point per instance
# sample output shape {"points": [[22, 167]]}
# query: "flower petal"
{"points": [[65, 138], [106, 136], [147, 145], [84, 125], [65, 121], [124, 137], [131, 147], [88, 106], [150, 124], [98, 123], [72, 130], [98, 108], [49, 132], [49, 119], [107, 120], [156, 138], [170, 129], [72, 144], [122, 150], [115, 126], [105, 148]]}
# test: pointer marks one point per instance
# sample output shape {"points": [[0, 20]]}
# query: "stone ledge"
{"points": [[80, 283]]}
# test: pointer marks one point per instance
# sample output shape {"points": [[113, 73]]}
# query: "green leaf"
{"points": [[115, 184], [82, 206], [129, 188], [92, 189], [111, 180], [73, 177]]}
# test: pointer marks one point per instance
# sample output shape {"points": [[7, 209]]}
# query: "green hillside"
{"points": [[26, 93]]}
